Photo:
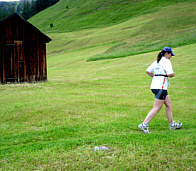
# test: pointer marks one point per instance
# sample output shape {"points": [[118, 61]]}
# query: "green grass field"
{"points": [[85, 103]]}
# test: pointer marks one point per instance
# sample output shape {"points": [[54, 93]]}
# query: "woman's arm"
{"points": [[169, 69], [171, 75], [150, 74]]}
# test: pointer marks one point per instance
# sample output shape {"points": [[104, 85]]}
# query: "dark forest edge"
{"points": [[25, 8]]}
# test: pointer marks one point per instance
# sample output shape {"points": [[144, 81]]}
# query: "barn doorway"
{"points": [[14, 61]]}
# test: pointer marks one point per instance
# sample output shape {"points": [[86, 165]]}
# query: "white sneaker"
{"points": [[144, 128], [174, 125]]}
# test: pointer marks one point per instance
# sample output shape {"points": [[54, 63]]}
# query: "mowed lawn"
{"points": [[55, 125]]}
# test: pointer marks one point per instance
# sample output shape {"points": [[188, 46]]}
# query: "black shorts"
{"points": [[160, 94]]}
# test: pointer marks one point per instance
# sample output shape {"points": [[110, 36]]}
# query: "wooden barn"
{"points": [[22, 51]]}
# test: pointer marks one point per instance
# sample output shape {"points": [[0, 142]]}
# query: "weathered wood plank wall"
{"points": [[22, 52]]}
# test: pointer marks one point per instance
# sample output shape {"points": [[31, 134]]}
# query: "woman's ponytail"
{"points": [[160, 55]]}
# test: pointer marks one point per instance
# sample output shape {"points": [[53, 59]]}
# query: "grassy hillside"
{"points": [[55, 125], [152, 25], [83, 14]]}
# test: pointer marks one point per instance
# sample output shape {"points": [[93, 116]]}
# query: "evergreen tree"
{"points": [[26, 10], [7, 8]]}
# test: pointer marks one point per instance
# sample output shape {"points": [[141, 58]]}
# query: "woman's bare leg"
{"points": [[168, 105], [157, 106]]}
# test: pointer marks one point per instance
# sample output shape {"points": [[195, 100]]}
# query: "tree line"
{"points": [[25, 8], [7, 8], [28, 8]]}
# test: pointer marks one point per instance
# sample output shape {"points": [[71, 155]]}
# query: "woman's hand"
{"points": [[150, 74], [171, 75]]}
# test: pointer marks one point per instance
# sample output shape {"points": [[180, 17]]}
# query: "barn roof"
{"points": [[29, 25]]}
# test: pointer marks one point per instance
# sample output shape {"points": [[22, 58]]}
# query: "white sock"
{"points": [[145, 124]]}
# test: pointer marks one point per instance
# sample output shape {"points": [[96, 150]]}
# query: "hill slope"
{"points": [[72, 15], [161, 23]]}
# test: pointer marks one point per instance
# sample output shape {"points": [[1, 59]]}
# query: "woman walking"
{"points": [[160, 70]]}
